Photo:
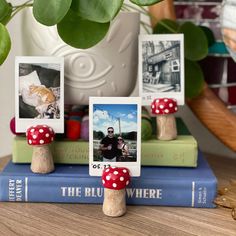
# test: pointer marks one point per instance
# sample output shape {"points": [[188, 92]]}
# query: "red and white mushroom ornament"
{"points": [[115, 180], [40, 136], [164, 109]]}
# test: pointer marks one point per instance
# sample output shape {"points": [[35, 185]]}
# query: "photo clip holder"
{"points": [[164, 109], [40, 136], [115, 180]]}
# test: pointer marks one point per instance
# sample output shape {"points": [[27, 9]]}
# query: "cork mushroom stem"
{"points": [[42, 160], [166, 127], [115, 180], [39, 137], [114, 203], [164, 108]]}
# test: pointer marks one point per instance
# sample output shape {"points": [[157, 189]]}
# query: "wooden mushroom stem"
{"points": [[166, 127], [42, 160], [114, 204]]}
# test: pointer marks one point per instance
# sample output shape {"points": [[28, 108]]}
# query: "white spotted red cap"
{"points": [[39, 135], [164, 106], [115, 178]]}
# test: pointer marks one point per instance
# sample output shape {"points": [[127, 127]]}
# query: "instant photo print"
{"points": [[115, 137], [39, 92], [161, 67]]}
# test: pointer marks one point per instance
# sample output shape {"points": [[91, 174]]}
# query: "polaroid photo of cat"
{"points": [[114, 134], [161, 67], [39, 92]]}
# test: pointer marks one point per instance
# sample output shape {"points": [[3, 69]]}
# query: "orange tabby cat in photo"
{"points": [[44, 93]]}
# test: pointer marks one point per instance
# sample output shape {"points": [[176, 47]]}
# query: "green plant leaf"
{"points": [[209, 34], [50, 12], [5, 43], [81, 33], [101, 11], [195, 41], [194, 79], [166, 26], [145, 2], [5, 11], [6, 19]]}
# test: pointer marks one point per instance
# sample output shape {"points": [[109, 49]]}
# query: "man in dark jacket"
{"points": [[108, 146]]}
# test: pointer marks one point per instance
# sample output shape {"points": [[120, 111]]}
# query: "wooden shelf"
{"points": [[83, 219]]}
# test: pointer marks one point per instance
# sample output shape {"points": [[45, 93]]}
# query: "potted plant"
{"points": [[81, 24], [99, 45]]}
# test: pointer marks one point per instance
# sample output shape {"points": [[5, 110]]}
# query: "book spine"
{"points": [[89, 190]]}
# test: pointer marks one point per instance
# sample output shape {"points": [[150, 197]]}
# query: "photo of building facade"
{"points": [[161, 66]]}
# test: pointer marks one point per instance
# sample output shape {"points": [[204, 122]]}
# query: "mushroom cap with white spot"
{"points": [[164, 106], [40, 135], [115, 178]]}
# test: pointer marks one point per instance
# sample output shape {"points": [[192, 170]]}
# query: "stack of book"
{"points": [[174, 173]]}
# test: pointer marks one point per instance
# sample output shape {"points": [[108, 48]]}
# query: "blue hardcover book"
{"points": [[166, 186]]}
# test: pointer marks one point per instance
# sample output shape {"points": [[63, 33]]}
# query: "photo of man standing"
{"points": [[108, 146]]}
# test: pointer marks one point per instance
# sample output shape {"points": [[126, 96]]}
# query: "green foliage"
{"points": [[101, 11], [3, 8], [80, 23], [5, 11], [194, 79], [50, 12], [209, 34], [166, 26], [195, 47], [195, 41], [146, 129], [86, 33], [98, 135], [145, 2], [5, 43]]}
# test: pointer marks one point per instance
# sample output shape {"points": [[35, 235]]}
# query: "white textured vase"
{"points": [[107, 69]]}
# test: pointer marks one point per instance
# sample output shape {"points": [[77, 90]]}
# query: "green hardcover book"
{"points": [[179, 152]]}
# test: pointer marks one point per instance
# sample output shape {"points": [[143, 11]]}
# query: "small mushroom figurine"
{"points": [[114, 180], [40, 136], [164, 108]]}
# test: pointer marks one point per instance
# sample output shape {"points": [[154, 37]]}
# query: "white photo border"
{"points": [[95, 167], [22, 124], [147, 98]]}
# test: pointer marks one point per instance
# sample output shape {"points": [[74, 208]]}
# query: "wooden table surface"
{"points": [[82, 219]]}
